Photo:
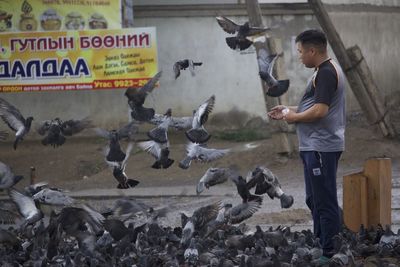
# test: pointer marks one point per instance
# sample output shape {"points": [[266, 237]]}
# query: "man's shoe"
{"points": [[323, 261]]}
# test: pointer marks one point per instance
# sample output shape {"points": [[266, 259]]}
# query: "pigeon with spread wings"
{"points": [[242, 31], [266, 64], [115, 157], [55, 130], [201, 153], [14, 119], [137, 96], [198, 134], [183, 65], [7, 178]]}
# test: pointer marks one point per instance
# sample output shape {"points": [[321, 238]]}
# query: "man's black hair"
{"points": [[313, 37]]}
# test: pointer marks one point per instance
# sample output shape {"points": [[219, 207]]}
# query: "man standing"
{"points": [[320, 124]]}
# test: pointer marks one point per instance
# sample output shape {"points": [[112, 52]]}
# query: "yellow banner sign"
{"points": [[96, 59], [59, 15]]}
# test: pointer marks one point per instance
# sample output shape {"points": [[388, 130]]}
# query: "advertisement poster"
{"points": [[77, 60]]}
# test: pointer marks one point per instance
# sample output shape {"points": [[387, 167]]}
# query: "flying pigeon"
{"points": [[201, 216], [159, 151], [242, 31], [243, 211], [14, 119], [7, 178], [114, 153], [201, 153], [52, 197], [183, 65], [26, 207], [159, 134], [266, 182], [214, 176], [137, 96], [266, 64], [55, 130], [178, 123], [198, 134]]}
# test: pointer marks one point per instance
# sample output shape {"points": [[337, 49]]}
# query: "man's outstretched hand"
{"points": [[276, 112]]}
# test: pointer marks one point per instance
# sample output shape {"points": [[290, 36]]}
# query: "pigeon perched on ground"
{"points": [[191, 254], [266, 182], [159, 151], [214, 176], [55, 130], [242, 31], [137, 96], [201, 153], [266, 64], [198, 134], [183, 65], [14, 119], [7, 178], [26, 207]]}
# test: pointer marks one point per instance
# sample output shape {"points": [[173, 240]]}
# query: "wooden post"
{"points": [[355, 208], [353, 77], [275, 46], [379, 174], [363, 70], [33, 175]]}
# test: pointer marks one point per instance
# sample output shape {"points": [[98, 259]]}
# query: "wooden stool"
{"points": [[367, 195]]}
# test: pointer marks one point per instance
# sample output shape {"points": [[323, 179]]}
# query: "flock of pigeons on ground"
{"points": [[57, 230]]}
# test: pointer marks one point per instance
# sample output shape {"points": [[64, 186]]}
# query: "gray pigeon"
{"points": [[137, 96], [114, 153], [191, 254], [14, 119], [183, 65], [159, 134], [243, 211], [7, 178], [179, 123], [123, 181], [201, 153], [266, 64], [214, 176], [55, 130], [242, 31], [198, 134], [53, 197], [201, 216], [26, 207], [125, 206], [159, 151], [266, 182]]}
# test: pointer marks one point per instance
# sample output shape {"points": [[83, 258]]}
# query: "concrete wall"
{"points": [[230, 75]]}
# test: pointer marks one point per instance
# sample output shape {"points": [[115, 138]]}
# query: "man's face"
{"points": [[306, 55]]}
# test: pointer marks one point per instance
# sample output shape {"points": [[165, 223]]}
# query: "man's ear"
{"points": [[312, 50]]}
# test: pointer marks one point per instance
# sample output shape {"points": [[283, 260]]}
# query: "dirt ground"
{"points": [[79, 164]]}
